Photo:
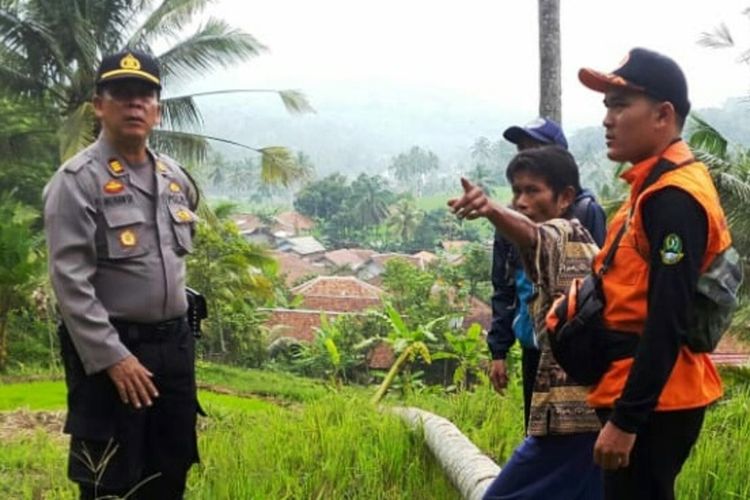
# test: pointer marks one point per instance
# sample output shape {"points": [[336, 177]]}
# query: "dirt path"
{"points": [[21, 423]]}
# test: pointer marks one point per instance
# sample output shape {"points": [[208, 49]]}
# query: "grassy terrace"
{"points": [[273, 435]]}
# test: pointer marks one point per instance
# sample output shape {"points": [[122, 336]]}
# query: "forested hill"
{"points": [[348, 136]]}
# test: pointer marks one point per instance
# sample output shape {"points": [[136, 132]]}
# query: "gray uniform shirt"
{"points": [[116, 251]]}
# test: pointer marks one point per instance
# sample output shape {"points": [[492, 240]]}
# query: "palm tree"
{"points": [[51, 49], [481, 150], [404, 219], [371, 200], [729, 165], [549, 60], [482, 177]]}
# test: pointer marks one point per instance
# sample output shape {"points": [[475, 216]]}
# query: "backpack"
{"points": [[584, 349], [716, 300]]}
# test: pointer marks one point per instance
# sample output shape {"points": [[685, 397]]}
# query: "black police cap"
{"points": [[129, 64], [646, 71]]}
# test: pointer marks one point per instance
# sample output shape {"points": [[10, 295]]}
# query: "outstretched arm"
{"points": [[514, 226]]}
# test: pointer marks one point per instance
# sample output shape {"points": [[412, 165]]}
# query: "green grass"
{"points": [[261, 382], [41, 395], [337, 447], [332, 444], [34, 466], [718, 465], [501, 194]]}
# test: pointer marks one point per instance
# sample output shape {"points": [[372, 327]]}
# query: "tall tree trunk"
{"points": [[550, 105]]}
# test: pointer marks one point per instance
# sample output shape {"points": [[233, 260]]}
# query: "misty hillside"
{"points": [[361, 130]]}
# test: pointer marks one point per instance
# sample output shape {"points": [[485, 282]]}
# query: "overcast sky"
{"points": [[485, 50]]}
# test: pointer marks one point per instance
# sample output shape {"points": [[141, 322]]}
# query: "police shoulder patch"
{"points": [[671, 249]]}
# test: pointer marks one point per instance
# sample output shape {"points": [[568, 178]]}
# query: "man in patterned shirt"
{"points": [[555, 460]]}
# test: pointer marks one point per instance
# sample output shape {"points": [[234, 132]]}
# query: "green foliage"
{"points": [[405, 219], [265, 383], [20, 262], [475, 268], [348, 213], [470, 351], [27, 148], [51, 50], [412, 167], [331, 354], [236, 277], [490, 159], [410, 344], [336, 446], [729, 165]]}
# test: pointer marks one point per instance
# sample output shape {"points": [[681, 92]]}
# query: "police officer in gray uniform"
{"points": [[119, 221]]}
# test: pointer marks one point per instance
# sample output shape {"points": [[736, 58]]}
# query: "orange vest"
{"points": [[694, 381]]}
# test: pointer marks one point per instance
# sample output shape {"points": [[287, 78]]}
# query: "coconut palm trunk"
{"points": [[550, 104]]}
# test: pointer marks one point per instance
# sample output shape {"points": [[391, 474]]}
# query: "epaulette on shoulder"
{"points": [[74, 164], [170, 163]]}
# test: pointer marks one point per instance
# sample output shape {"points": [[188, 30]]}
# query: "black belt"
{"points": [[133, 332]]}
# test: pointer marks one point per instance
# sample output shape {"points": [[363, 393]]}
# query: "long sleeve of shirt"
{"points": [[500, 338], [673, 220], [70, 228]]}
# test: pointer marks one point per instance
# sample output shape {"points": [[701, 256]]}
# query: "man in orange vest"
{"points": [[652, 404]]}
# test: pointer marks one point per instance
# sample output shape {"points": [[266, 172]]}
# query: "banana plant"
{"points": [[408, 344], [469, 351]]}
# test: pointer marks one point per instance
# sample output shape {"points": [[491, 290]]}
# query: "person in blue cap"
{"points": [[512, 289]]}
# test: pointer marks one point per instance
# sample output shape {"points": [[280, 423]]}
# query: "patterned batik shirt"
{"points": [[564, 251]]}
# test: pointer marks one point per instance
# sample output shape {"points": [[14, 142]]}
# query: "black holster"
{"points": [[197, 310]]}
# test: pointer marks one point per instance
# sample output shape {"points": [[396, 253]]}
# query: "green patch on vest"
{"points": [[671, 249]]}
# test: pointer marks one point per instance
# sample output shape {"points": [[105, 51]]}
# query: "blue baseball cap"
{"points": [[543, 130]]}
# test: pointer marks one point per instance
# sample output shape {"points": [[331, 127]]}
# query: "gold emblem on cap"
{"points": [[184, 215], [116, 166], [174, 187], [128, 238], [130, 62]]}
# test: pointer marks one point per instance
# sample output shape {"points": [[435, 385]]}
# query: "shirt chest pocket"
{"points": [[182, 226], [124, 234]]}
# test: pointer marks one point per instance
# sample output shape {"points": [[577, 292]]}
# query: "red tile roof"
{"points": [[294, 222], [294, 267], [351, 257], [342, 304], [300, 324], [246, 222], [338, 286]]}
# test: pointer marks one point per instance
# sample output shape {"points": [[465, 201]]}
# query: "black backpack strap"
{"points": [[662, 167]]}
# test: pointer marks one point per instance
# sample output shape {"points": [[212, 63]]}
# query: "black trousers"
{"points": [[529, 364], [660, 450], [116, 449]]}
